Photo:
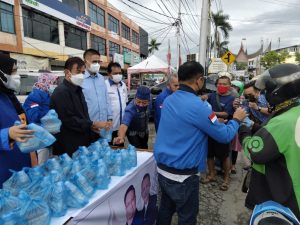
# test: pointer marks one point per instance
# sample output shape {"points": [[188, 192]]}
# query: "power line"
{"points": [[148, 8], [189, 10], [161, 9], [166, 7]]}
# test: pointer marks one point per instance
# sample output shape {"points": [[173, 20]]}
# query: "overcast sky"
{"points": [[255, 21]]}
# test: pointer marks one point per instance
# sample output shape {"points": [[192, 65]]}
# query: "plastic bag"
{"points": [[117, 167], [33, 211], [247, 122], [55, 196], [35, 173], [53, 164], [125, 157], [82, 150], [106, 134], [76, 167], [8, 202], [41, 139], [66, 163], [90, 173], [51, 122], [103, 178], [12, 218], [95, 147], [94, 156], [132, 158], [18, 181], [74, 197], [83, 184]]}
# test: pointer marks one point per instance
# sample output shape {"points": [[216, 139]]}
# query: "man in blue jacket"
{"points": [[172, 86], [181, 145]]}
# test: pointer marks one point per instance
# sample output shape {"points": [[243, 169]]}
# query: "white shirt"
{"points": [[174, 177], [117, 94]]}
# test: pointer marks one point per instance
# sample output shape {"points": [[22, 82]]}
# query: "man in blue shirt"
{"points": [[172, 86], [258, 105], [222, 104], [135, 120], [95, 91], [181, 145]]}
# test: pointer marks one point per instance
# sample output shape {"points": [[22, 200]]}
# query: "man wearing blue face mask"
{"points": [[135, 120], [95, 91]]}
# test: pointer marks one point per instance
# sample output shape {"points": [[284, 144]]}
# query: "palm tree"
{"points": [[223, 47], [222, 25], [153, 46]]}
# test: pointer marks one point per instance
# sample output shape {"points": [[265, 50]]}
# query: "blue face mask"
{"points": [[51, 88]]}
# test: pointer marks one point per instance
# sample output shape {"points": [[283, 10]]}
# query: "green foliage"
{"points": [[297, 56], [153, 46], [273, 58], [241, 66]]}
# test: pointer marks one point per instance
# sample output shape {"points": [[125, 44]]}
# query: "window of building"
{"points": [[7, 18], [99, 44], [113, 24], [76, 4], [125, 32], [40, 27], [135, 37], [126, 50], [113, 48], [97, 14], [75, 38]]}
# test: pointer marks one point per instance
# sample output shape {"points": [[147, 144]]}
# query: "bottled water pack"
{"points": [[51, 122]]}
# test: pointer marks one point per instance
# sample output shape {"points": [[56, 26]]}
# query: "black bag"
{"points": [[246, 182]]}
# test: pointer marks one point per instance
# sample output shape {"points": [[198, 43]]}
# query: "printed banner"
{"points": [[132, 201]]}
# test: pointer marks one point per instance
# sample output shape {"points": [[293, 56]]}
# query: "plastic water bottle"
{"points": [[125, 157], [56, 199], [132, 156], [66, 163], [119, 168], [18, 181], [51, 122], [82, 150], [74, 197], [83, 184], [76, 167], [103, 178], [90, 173], [8, 202], [53, 164]]}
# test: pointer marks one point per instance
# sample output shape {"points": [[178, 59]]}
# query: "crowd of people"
{"points": [[195, 131]]}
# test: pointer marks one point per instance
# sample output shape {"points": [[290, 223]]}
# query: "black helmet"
{"points": [[281, 83]]}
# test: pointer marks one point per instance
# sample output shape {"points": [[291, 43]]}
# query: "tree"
{"points": [[273, 58], [222, 25], [153, 46], [297, 57], [223, 48]]}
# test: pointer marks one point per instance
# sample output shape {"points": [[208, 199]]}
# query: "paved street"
{"points": [[218, 207]]}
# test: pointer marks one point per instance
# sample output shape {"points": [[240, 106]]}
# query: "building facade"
{"points": [[42, 34]]}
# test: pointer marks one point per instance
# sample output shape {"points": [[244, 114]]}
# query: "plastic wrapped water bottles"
{"points": [[33, 211], [76, 167], [90, 173], [125, 156], [51, 122], [8, 202], [74, 197], [103, 178], [41, 139], [117, 166], [106, 134], [53, 164], [66, 163], [82, 150], [18, 181], [95, 155], [35, 173], [12, 218], [55, 196], [83, 184], [132, 158], [247, 122]]}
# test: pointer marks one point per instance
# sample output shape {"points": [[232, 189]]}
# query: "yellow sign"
{"points": [[228, 58]]}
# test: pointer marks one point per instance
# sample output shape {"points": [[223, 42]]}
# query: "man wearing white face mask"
{"points": [[69, 103], [117, 92], [95, 91]]}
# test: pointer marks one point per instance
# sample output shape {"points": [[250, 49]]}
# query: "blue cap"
{"points": [[143, 93]]}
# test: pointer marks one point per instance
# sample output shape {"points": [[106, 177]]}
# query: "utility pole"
{"points": [[204, 32], [178, 24]]}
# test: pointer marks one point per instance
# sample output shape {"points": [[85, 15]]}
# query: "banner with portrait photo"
{"points": [[133, 201]]}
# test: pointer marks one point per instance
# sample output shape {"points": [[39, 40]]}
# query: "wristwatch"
{"points": [[259, 109]]}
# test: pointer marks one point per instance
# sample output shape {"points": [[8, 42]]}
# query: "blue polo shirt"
{"points": [[159, 104], [226, 103], [184, 127], [262, 102]]}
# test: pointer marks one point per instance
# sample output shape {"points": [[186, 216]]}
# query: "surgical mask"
{"points": [[95, 67], [51, 88], [77, 79], [117, 78], [223, 89], [13, 82]]}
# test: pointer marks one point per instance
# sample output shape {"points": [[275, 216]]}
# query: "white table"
{"points": [[142, 157]]}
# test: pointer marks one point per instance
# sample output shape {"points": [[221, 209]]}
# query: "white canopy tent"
{"points": [[152, 64]]}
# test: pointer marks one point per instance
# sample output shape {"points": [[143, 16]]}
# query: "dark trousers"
{"points": [[234, 155], [182, 198]]}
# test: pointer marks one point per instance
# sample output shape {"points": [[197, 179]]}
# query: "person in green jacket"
{"points": [[274, 147]]}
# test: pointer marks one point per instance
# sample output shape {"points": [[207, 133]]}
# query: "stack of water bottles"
{"points": [[34, 195]]}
